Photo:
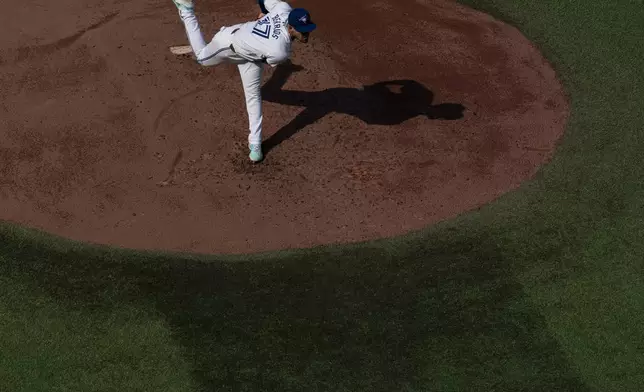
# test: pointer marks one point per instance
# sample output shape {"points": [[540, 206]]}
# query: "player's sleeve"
{"points": [[267, 5]]}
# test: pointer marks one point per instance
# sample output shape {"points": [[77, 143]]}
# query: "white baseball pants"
{"points": [[219, 51]]}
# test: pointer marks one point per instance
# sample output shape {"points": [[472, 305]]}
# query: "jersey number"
{"points": [[263, 28]]}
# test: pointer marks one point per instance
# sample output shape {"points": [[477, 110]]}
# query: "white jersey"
{"points": [[266, 39]]}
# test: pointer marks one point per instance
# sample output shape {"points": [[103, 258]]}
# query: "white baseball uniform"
{"points": [[248, 45]]}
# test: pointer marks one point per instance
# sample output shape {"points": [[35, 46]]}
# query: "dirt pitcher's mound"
{"points": [[394, 116]]}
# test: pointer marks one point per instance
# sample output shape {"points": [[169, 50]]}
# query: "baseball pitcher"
{"points": [[250, 45]]}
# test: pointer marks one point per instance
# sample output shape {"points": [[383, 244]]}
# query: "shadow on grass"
{"points": [[443, 317]]}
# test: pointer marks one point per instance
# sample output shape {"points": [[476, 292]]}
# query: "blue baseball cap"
{"points": [[300, 19]]}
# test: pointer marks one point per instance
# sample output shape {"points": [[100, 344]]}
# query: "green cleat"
{"points": [[184, 5], [256, 152]]}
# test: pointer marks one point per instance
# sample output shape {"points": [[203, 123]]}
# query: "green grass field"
{"points": [[542, 290]]}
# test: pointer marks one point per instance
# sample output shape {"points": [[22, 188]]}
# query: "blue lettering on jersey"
{"points": [[277, 22]]}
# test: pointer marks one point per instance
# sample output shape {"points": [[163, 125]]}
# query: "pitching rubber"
{"points": [[181, 50]]}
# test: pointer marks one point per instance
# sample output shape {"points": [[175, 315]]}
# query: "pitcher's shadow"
{"points": [[384, 103]]}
